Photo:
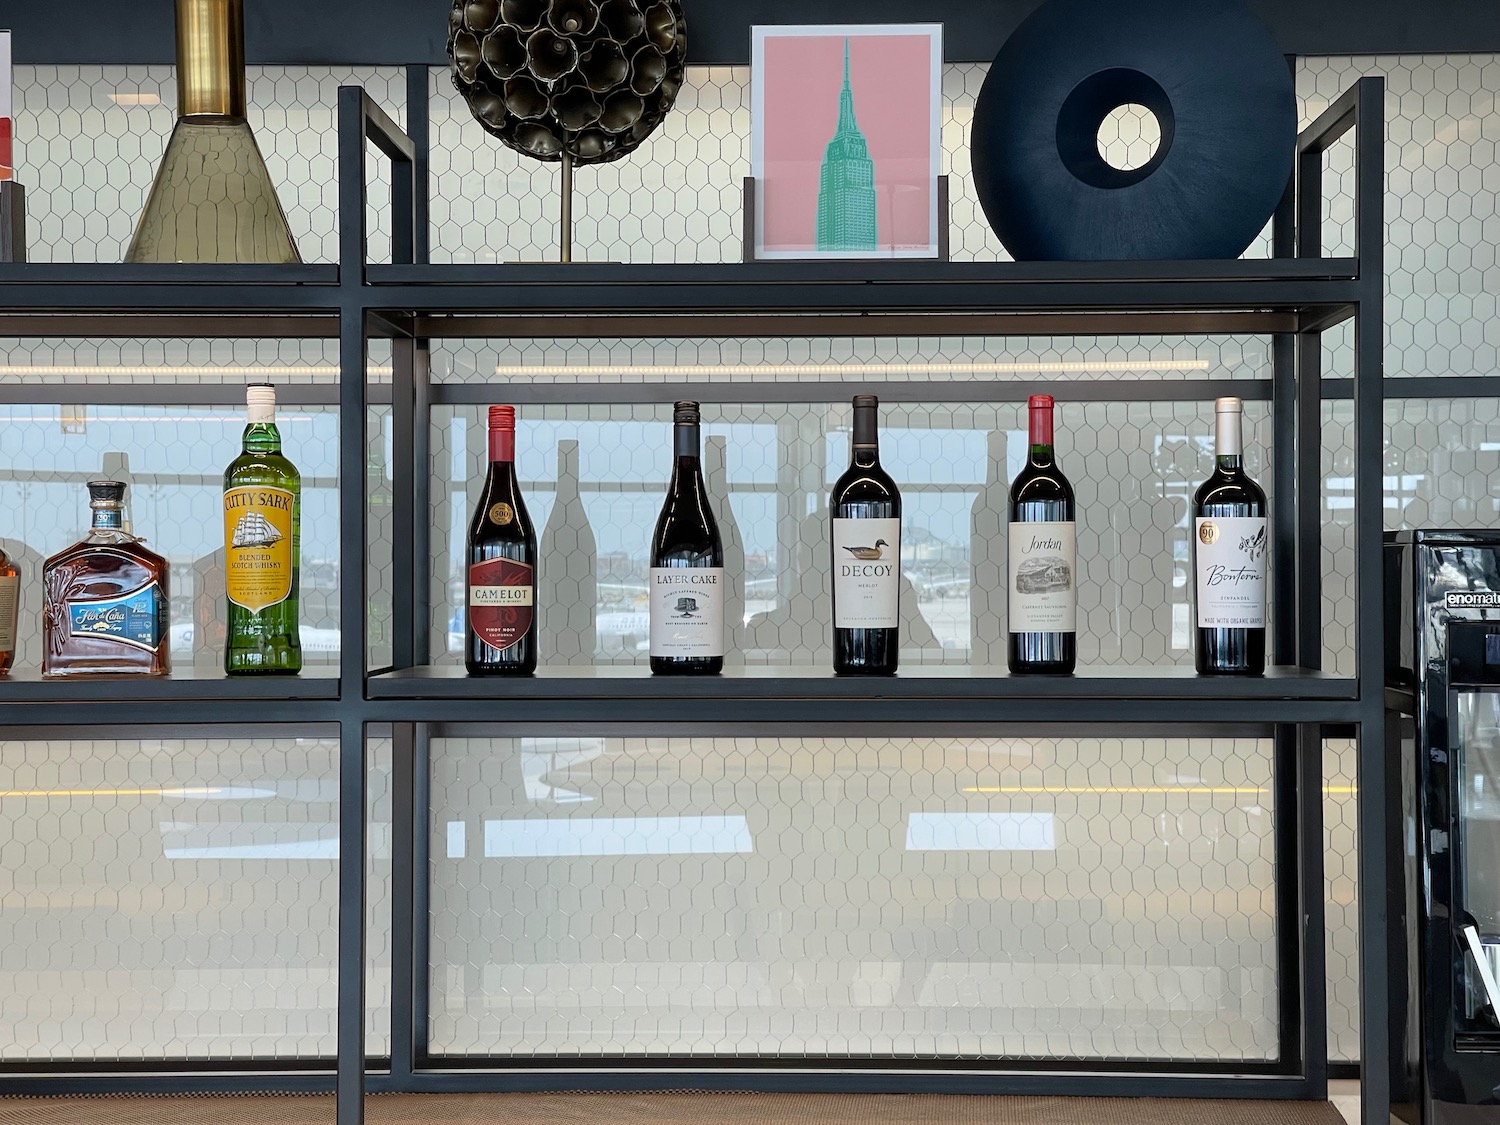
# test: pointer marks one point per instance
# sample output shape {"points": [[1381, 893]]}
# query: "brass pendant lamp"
{"points": [[212, 200]]}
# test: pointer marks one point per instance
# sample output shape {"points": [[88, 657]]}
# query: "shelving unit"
{"points": [[1294, 297]]}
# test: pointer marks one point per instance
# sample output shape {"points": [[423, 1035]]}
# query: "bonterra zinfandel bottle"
{"points": [[262, 547]]}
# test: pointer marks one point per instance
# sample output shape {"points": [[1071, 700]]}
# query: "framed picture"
{"points": [[845, 140], [7, 123]]}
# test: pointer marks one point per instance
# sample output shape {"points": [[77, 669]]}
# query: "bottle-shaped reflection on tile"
{"points": [[568, 590], [716, 470], [988, 519]]}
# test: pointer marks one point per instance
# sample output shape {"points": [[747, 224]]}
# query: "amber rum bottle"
{"points": [[10, 602], [106, 599]]}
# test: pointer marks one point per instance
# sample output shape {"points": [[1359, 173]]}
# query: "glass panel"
{"points": [[944, 896], [1477, 808], [175, 898]]}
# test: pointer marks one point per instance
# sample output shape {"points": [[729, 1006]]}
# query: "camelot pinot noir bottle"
{"points": [[1043, 595], [866, 511], [687, 564], [1230, 542], [502, 632]]}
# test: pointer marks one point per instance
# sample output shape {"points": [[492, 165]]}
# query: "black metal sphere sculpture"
{"points": [[589, 78]]}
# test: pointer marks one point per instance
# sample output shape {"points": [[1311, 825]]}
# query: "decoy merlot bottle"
{"points": [[866, 542], [1230, 544], [1043, 597], [687, 564], [502, 619]]}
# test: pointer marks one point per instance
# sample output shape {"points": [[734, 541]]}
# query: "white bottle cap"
{"points": [[260, 403], [1228, 406]]}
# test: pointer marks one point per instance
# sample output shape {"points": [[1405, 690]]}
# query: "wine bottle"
{"points": [[1230, 544], [10, 603], [687, 564], [1043, 595], [502, 562], [865, 508], [262, 547]]}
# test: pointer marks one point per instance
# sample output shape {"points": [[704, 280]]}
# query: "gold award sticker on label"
{"points": [[502, 514], [258, 546], [1208, 533]]}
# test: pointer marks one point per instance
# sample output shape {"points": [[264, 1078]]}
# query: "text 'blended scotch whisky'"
{"points": [[262, 547], [1230, 542], [106, 601], [687, 580], [1042, 601], [866, 512], [502, 560]]}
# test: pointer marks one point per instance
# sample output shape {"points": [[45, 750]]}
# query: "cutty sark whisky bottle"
{"points": [[262, 546], [106, 599]]}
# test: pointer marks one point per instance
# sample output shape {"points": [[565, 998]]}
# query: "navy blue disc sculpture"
{"points": [[1219, 88]]}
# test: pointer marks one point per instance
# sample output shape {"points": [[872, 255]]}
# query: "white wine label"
{"points": [[687, 611], [1043, 577], [1231, 566], [10, 598], [866, 573]]}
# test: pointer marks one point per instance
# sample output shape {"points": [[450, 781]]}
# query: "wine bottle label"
{"points": [[258, 561], [687, 611], [137, 618], [10, 600], [502, 601], [866, 573], [1043, 577], [1231, 565]]}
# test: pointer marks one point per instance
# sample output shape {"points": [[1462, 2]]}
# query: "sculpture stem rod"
{"points": [[567, 203]]}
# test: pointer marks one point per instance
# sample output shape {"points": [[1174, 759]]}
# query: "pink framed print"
{"points": [[845, 142], [7, 123]]}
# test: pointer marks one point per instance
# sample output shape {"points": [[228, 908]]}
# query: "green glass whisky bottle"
{"points": [[262, 547]]}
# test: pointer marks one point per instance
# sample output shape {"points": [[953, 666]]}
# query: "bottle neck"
{"points": [[109, 519], [686, 443], [1228, 441], [502, 446], [866, 444], [262, 437], [1040, 436]]}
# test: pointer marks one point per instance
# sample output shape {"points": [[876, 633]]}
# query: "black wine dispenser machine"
{"points": [[1442, 786]]}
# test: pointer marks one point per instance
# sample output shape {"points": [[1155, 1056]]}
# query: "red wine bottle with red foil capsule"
{"points": [[501, 579], [1043, 597]]}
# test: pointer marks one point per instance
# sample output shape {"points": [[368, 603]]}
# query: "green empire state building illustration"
{"points": [[846, 186]]}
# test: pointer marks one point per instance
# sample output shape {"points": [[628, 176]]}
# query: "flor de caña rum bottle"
{"points": [[1230, 543], [262, 547], [501, 584], [10, 604], [1043, 597], [686, 584], [866, 512], [105, 599]]}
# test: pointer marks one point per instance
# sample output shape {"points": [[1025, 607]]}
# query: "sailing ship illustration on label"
{"points": [[258, 545], [254, 530]]}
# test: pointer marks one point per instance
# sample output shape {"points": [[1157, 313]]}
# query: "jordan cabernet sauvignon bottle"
{"points": [[1230, 543], [501, 611], [866, 512], [687, 564], [1043, 596]]}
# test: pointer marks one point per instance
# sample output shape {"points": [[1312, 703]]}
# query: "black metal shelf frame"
{"points": [[1294, 297]]}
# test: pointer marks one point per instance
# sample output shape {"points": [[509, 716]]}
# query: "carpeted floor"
{"points": [[665, 1109]]}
